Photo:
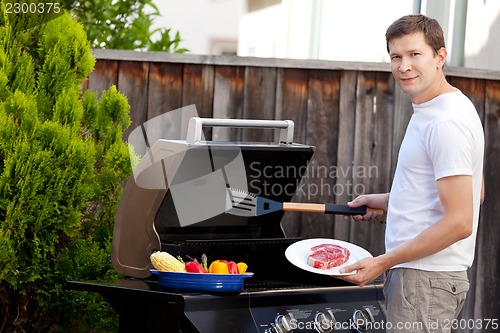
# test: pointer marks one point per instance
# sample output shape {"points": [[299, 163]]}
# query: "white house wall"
{"points": [[355, 30], [263, 32], [204, 25], [321, 29], [482, 35]]}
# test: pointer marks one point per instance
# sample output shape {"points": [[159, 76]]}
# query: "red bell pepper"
{"points": [[195, 267], [232, 267]]}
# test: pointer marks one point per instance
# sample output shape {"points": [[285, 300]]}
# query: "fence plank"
{"points": [[259, 100], [164, 95], [165, 88], [345, 151], [228, 99], [322, 131], [104, 75], [291, 100], [198, 89], [133, 83]]}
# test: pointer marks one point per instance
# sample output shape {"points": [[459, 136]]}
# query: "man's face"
{"points": [[416, 68]]}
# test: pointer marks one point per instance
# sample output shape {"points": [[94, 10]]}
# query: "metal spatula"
{"points": [[248, 204]]}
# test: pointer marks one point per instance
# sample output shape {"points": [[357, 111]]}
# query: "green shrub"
{"points": [[62, 159]]}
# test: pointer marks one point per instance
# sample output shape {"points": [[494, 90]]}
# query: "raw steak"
{"points": [[326, 256]]}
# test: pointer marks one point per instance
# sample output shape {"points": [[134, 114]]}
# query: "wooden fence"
{"points": [[353, 113]]}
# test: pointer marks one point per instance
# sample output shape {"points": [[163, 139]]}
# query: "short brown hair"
{"points": [[411, 24]]}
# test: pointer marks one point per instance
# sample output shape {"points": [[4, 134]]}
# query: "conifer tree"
{"points": [[62, 159]]}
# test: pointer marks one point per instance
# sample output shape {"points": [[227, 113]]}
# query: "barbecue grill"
{"points": [[176, 202]]}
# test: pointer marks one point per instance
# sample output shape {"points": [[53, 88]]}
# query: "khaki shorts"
{"points": [[423, 301]]}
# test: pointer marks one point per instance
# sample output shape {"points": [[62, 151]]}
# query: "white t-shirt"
{"points": [[444, 138]]}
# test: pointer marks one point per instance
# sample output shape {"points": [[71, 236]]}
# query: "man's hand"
{"points": [[380, 200], [367, 270]]}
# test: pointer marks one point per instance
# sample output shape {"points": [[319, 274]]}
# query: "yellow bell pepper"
{"points": [[242, 267], [218, 267]]}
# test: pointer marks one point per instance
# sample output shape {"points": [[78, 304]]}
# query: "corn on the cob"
{"points": [[164, 261]]}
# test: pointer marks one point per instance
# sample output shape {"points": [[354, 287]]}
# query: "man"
{"points": [[433, 207]]}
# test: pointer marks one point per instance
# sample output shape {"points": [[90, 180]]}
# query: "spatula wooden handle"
{"points": [[303, 207], [329, 208]]}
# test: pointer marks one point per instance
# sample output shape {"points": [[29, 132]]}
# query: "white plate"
{"points": [[298, 252]]}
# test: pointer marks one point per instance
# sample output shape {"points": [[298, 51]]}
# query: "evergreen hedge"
{"points": [[62, 158]]}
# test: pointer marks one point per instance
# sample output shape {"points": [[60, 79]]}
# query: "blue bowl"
{"points": [[202, 282]]}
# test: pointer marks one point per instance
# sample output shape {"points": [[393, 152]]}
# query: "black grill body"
{"points": [[279, 298]]}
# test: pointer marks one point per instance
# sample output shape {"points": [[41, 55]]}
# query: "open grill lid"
{"points": [[178, 191]]}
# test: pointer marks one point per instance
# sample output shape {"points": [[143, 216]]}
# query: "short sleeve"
{"points": [[450, 146]]}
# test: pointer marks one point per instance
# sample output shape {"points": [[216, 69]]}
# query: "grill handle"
{"points": [[196, 123]]}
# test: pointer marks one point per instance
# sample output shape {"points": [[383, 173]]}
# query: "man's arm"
{"points": [[455, 193]]}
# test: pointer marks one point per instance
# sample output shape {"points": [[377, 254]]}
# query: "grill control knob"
{"points": [[283, 323], [272, 329], [362, 319], [324, 322]]}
